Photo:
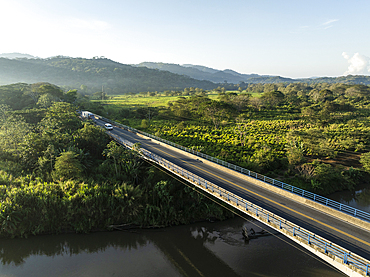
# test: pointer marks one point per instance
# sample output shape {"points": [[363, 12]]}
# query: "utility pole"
{"points": [[149, 114]]}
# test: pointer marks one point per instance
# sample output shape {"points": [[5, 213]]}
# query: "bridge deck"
{"points": [[354, 239]]}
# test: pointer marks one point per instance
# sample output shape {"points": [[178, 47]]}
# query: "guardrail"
{"points": [[351, 260], [304, 193]]}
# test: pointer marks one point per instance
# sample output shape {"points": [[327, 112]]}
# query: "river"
{"points": [[359, 198], [200, 249]]}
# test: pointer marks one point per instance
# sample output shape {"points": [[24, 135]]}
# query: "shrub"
{"points": [[365, 161]]}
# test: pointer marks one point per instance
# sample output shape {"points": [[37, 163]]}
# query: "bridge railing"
{"points": [[352, 260], [304, 193]]}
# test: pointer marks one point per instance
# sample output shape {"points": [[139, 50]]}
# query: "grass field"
{"points": [[137, 101]]}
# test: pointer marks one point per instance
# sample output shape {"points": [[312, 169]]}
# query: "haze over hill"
{"points": [[94, 75], [202, 72], [97, 74], [17, 56], [230, 76]]}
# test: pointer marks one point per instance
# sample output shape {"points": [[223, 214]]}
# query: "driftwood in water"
{"points": [[251, 234]]}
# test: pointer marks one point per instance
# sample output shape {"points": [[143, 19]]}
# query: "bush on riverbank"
{"points": [[31, 206]]}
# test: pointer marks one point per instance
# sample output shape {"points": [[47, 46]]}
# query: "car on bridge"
{"points": [[108, 126]]}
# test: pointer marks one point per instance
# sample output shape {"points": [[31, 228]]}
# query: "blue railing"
{"points": [[325, 246], [304, 193]]}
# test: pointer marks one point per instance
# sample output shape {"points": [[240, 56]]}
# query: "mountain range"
{"points": [[202, 72], [93, 75], [100, 73], [17, 56]]}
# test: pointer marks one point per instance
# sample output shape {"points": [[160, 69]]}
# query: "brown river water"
{"points": [[200, 249]]}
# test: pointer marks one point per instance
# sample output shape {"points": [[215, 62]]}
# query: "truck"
{"points": [[87, 114]]}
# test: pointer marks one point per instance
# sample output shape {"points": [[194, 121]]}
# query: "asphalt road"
{"points": [[352, 238]]}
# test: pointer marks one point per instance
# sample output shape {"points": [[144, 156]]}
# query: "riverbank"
{"points": [[30, 206]]}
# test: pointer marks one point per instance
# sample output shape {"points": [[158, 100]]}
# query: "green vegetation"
{"points": [[58, 174], [312, 136]]}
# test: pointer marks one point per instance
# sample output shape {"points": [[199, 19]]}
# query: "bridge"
{"points": [[338, 234]]}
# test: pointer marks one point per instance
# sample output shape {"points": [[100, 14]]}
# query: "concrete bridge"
{"points": [[336, 233]]}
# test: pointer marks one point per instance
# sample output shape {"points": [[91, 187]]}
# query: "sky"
{"points": [[286, 38]]}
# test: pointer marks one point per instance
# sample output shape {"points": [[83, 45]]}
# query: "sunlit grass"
{"points": [[137, 101]]}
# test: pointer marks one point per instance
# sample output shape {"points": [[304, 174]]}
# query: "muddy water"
{"points": [[359, 198], [202, 249]]}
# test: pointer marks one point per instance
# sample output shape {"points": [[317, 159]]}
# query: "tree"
{"points": [[83, 88], [294, 150], [241, 101], [67, 166], [272, 99], [45, 100], [269, 87], [46, 162], [70, 96], [129, 197], [61, 117], [144, 123], [365, 161], [15, 96], [115, 152], [256, 103], [358, 91], [51, 89], [39, 89], [13, 130], [241, 130], [215, 111], [91, 138]]}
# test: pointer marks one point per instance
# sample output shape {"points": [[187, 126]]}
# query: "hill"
{"points": [[17, 56], [230, 76], [94, 75], [201, 72], [97, 74]]}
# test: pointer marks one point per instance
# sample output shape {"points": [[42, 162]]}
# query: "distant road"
{"points": [[346, 235]]}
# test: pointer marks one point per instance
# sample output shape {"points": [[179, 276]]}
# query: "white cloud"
{"points": [[327, 24], [330, 21], [358, 64]]}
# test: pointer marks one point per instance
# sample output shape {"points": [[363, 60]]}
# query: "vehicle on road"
{"points": [[87, 114], [108, 126]]}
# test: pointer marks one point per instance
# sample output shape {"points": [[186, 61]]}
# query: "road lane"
{"points": [[351, 237]]}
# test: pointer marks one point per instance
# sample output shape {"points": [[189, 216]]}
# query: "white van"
{"points": [[108, 126]]}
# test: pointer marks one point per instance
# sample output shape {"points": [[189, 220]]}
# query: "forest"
{"points": [[61, 174]]}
